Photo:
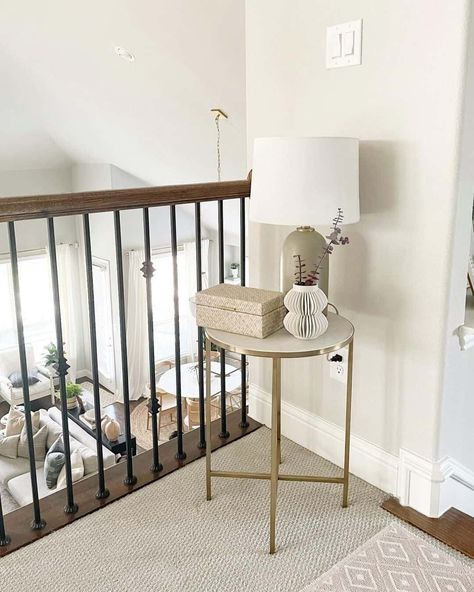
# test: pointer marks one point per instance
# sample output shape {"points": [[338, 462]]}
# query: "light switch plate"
{"points": [[344, 45]]}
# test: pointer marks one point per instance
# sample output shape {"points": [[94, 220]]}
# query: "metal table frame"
{"points": [[274, 476]]}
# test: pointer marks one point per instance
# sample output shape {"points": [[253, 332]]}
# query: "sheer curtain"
{"points": [[137, 333], [189, 290], [69, 301]]}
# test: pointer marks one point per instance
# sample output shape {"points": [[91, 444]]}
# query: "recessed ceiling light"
{"points": [[125, 54]]}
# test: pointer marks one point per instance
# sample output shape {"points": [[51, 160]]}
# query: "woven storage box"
{"points": [[235, 309]]}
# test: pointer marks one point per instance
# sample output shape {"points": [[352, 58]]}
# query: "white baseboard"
{"points": [[419, 483], [83, 374], [457, 490], [368, 461], [431, 487]]}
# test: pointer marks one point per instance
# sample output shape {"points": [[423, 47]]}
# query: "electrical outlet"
{"points": [[338, 365]]}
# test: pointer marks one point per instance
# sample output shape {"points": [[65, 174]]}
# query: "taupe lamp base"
{"points": [[309, 244]]}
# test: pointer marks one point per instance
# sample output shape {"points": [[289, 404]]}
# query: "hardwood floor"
{"points": [[454, 528]]}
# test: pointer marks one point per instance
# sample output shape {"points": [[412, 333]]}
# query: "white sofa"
{"points": [[15, 472], [10, 362]]}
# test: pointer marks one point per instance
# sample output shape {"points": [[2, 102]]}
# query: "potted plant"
{"points": [[72, 393], [51, 357], [305, 301], [234, 269]]}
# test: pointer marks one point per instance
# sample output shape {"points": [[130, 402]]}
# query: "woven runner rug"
{"points": [[396, 560]]}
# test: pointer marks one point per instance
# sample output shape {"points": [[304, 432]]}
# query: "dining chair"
{"points": [[193, 411], [166, 400]]}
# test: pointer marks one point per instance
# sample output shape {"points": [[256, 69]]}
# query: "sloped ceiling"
{"points": [[24, 142], [76, 100]]}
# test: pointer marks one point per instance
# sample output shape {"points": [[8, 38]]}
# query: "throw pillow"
{"points": [[77, 469], [89, 458], [39, 442], [9, 445], [54, 462], [17, 381], [15, 422], [18, 418]]}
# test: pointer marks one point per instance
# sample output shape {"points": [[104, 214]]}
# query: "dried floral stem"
{"points": [[335, 238]]}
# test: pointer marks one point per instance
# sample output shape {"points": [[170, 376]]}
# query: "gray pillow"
{"points": [[54, 462], [17, 381]]}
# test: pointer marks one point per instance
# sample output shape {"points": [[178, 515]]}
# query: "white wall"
{"points": [[457, 433], [32, 234], [16, 183], [404, 103]]}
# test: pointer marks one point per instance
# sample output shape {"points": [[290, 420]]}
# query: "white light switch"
{"points": [[348, 43], [335, 48], [344, 45]]}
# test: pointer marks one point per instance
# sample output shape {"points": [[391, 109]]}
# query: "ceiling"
{"points": [[24, 142], [67, 97]]}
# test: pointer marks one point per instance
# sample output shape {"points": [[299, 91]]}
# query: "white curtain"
{"points": [[69, 298], [189, 290], [137, 333]]}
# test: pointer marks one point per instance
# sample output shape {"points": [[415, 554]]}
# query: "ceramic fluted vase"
{"points": [[111, 428], [306, 319]]}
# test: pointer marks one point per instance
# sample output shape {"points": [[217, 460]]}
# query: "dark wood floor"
{"points": [[454, 528]]}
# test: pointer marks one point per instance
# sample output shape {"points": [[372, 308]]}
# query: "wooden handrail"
{"points": [[89, 202]]}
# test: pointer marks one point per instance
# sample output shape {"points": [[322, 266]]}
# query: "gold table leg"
{"points": [[279, 421], [347, 443], [276, 398], [208, 419], [274, 475]]}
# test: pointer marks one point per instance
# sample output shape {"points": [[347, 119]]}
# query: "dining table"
{"points": [[190, 379], [190, 384]]}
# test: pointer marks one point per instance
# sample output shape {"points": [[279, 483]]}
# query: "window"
{"points": [[163, 307], [36, 303], [104, 322]]}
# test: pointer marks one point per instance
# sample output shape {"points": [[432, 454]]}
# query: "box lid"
{"points": [[240, 299]]}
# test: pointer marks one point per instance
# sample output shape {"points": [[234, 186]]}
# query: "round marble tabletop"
{"points": [[189, 379], [283, 345]]}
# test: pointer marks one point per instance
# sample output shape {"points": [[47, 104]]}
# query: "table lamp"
{"points": [[302, 182]]}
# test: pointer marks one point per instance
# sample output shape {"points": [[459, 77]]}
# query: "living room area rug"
{"points": [[396, 560], [106, 397]]}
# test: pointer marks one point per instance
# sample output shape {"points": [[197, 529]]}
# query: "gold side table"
{"points": [[278, 346]]}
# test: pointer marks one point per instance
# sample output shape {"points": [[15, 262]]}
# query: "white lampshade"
{"points": [[303, 181]]}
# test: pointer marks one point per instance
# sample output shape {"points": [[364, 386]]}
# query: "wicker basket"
{"points": [[235, 309]]}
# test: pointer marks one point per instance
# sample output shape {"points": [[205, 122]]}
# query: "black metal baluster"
{"points": [[202, 421], [70, 507], [243, 359], [148, 271], [102, 492], [130, 478], [38, 523], [4, 538], [180, 454], [220, 231]]}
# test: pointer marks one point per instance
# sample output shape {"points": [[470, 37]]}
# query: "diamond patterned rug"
{"points": [[396, 560]]}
